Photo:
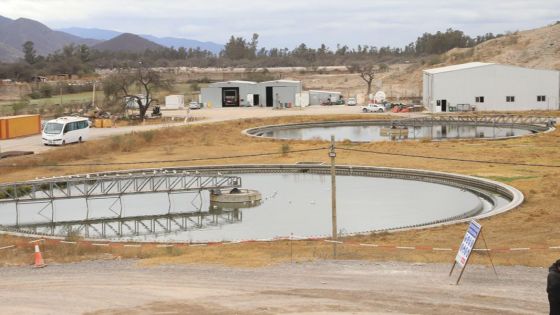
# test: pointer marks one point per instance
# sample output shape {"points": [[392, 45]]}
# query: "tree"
{"points": [[30, 55], [238, 48], [149, 81], [84, 53], [367, 73], [20, 106]]}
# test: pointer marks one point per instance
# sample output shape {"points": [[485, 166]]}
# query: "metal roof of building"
{"points": [[325, 92], [463, 66], [239, 81], [233, 82], [229, 83], [282, 81]]}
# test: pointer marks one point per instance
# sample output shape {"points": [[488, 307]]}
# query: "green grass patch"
{"points": [[506, 179]]}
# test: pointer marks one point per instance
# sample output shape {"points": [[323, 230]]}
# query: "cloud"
{"points": [[287, 23]]}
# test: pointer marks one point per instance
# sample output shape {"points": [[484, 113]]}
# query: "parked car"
{"points": [[194, 105], [351, 102], [373, 108]]}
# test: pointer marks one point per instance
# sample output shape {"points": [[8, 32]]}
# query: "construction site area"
{"points": [[85, 202], [409, 188]]}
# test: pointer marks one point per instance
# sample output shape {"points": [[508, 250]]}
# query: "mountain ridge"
{"points": [[14, 33], [127, 42], [167, 41]]}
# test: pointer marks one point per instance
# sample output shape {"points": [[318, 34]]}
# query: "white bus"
{"points": [[65, 130]]}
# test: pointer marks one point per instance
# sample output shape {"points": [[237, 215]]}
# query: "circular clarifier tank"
{"points": [[387, 130], [294, 199]]}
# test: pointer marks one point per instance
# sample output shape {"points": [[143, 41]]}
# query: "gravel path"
{"points": [[324, 287], [208, 115]]}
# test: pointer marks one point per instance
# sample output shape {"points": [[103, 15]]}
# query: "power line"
{"points": [[449, 159], [278, 153], [164, 161]]}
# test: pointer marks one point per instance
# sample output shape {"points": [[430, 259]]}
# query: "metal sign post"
{"points": [[465, 250], [332, 155]]}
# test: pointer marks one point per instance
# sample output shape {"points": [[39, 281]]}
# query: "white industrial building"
{"points": [[278, 93], [490, 87]]}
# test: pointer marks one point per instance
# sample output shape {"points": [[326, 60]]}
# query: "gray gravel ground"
{"points": [[323, 287], [207, 115]]}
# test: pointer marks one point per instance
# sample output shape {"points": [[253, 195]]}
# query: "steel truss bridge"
{"points": [[113, 185], [133, 226], [89, 186], [536, 123]]}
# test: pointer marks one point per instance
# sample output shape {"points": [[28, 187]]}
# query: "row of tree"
{"points": [[80, 59], [72, 59], [238, 48]]}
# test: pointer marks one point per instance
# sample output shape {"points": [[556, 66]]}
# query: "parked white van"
{"points": [[65, 130]]}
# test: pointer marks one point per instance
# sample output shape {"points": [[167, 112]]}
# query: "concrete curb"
{"points": [[253, 132]]}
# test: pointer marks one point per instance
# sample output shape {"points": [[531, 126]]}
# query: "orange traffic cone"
{"points": [[39, 263]]}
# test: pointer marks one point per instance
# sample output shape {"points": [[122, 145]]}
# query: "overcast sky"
{"points": [[286, 23]]}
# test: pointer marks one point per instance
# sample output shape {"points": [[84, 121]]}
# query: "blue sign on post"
{"points": [[467, 244]]}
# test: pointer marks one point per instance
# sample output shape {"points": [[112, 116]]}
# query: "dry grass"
{"points": [[534, 224]]}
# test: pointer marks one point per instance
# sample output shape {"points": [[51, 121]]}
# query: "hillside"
{"points": [[186, 43], [14, 33], [95, 33], [537, 48], [127, 42], [9, 53]]}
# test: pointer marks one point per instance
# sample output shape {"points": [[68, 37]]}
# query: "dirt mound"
{"points": [[538, 48]]}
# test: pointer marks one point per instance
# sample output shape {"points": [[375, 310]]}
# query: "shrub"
{"points": [[195, 87], [434, 60], [285, 149], [168, 149], [19, 107], [46, 90], [35, 95], [129, 145], [116, 142], [148, 135]]}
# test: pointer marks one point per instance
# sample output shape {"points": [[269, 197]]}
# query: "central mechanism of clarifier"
{"points": [[235, 196]]}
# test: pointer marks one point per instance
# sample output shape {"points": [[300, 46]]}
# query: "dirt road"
{"points": [[206, 115], [324, 287]]}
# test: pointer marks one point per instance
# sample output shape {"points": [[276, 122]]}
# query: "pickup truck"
{"points": [[373, 108]]}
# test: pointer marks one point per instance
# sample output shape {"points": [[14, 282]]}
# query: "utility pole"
{"points": [[93, 97], [332, 155]]}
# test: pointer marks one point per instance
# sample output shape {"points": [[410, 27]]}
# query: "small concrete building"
{"points": [[247, 93], [478, 86], [227, 94], [279, 93], [320, 97]]}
